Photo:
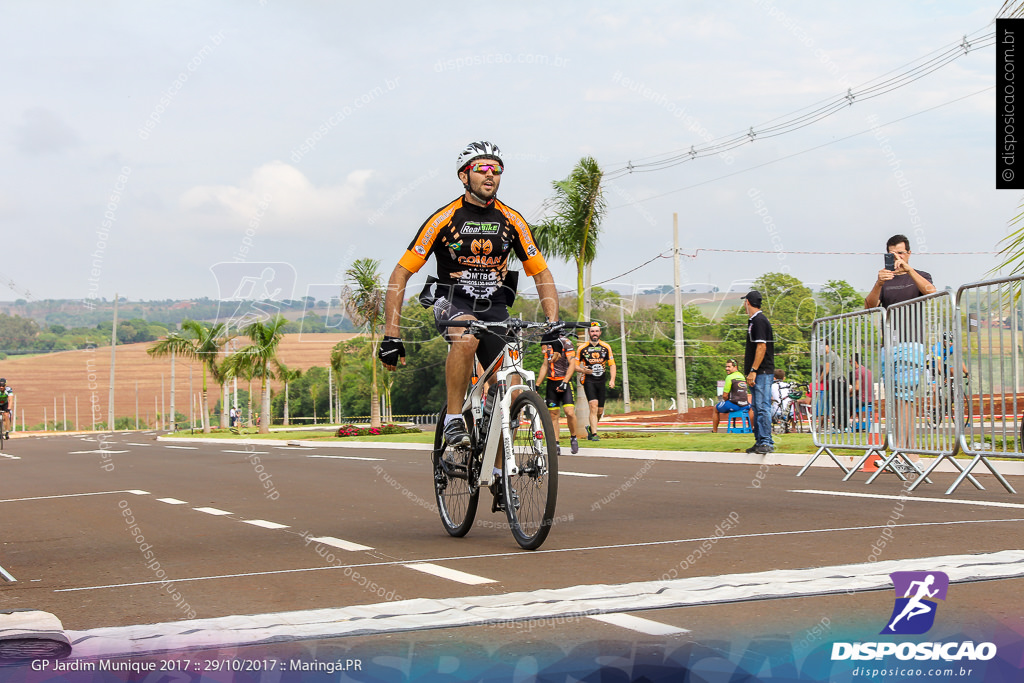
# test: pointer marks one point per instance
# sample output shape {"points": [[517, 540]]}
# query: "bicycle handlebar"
{"points": [[511, 323]]}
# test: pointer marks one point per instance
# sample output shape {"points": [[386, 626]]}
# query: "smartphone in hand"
{"points": [[890, 262]]}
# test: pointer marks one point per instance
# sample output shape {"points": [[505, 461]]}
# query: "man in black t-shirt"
{"points": [[759, 367], [902, 284]]}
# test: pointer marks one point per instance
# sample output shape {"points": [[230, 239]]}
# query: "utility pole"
{"points": [[174, 413], [113, 347], [681, 400], [625, 365]]}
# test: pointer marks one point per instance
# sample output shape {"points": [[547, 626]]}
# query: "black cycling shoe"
{"points": [[455, 434], [498, 491]]}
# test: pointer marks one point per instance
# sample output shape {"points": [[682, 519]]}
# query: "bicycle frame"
{"points": [[510, 362]]}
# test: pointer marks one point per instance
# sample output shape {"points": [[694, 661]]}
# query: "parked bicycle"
{"points": [[785, 415], [511, 429]]}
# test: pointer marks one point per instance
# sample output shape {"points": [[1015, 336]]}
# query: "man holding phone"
{"points": [[897, 281]]}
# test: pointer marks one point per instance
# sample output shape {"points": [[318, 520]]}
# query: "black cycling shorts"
{"points": [[595, 390], [491, 345], [556, 398]]}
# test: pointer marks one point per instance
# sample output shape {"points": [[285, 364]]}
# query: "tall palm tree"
{"points": [[255, 360], [287, 375], [363, 298], [197, 342], [571, 233]]}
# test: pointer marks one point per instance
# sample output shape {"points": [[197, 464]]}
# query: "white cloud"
{"points": [[280, 195]]}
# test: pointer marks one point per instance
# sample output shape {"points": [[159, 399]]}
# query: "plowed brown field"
{"points": [[76, 380]]}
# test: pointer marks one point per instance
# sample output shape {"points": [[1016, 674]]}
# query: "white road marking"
{"points": [[955, 501], [65, 495], [563, 473], [617, 546], [248, 452], [146, 445], [339, 543], [408, 615], [138, 492], [10, 457], [98, 450], [450, 574], [172, 501], [648, 626], [264, 523], [184, 448], [342, 457], [213, 511]]}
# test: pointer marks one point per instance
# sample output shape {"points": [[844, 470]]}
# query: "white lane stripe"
{"points": [[418, 614], [10, 457], [7, 576], [617, 546], [647, 626], [172, 501], [66, 495], [563, 473], [248, 452], [450, 574], [339, 543], [138, 492], [265, 524], [342, 457], [212, 511], [146, 445], [184, 448], [98, 450], [955, 501]]}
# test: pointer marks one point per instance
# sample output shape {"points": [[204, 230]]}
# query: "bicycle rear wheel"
{"points": [[531, 493], [455, 482]]}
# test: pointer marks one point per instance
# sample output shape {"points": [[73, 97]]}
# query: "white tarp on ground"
{"points": [[31, 634], [409, 615]]}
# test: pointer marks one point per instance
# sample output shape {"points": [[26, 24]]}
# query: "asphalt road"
{"points": [[253, 532]]}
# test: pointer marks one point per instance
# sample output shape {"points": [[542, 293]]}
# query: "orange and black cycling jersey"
{"points": [[558, 363], [472, 245], [592, 355]]}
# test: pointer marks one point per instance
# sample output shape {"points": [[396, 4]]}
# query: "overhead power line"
{"points": [[881, 85]]}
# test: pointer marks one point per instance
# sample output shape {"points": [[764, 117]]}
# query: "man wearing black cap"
{"points": [[759, 367]]}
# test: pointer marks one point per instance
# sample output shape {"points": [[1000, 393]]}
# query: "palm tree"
{"points": [[287, 375], [198, 343], [579, 207], [363, 299], [254, 361]]}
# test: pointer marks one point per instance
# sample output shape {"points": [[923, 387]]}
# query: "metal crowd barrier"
{"points": [[845, 349], [945, 381]]}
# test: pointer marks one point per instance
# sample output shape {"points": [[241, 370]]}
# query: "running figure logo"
{"points": [[913, 613]]}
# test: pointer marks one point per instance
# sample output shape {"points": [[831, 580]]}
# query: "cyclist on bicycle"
{"points": [[5, 407], [471, 239]]}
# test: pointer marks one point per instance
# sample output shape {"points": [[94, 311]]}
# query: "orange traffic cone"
{"points": [[871, 464]]}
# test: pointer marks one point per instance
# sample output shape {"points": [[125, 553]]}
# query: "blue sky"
{"points": [[146, 143]]}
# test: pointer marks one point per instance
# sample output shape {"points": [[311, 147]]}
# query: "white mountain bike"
{"points": [[511, 421]]}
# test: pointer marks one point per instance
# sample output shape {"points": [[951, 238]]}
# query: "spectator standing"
{"points": [[759, 367]]}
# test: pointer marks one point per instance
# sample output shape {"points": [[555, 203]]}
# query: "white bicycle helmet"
{"points": [[478, 150]]}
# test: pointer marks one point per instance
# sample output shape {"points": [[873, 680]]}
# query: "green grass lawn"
{"points": [[657, 441]]}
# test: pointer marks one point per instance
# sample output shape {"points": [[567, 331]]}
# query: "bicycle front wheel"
{"points": [[530, 494], [455, 483]]}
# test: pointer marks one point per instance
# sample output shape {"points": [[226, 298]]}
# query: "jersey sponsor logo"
{"points": [[481, 247], [531, 251], [420, 250], [485, 261], [472, 228]]}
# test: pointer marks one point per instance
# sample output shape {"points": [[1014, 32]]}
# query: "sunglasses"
{"points": [[484, 168]]}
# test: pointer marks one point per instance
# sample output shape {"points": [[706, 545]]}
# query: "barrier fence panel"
{"points": [[845, 369], [921, 405], [988, 371]]}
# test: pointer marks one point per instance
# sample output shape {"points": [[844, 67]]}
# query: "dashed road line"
{"points": [[639, 624], [264, 523], [213, 511], [172, 501], [248, 452], [104, 451], [339, 543], [450, 574], [183, 448], [342, 457], [70, 495], [563, 473]]}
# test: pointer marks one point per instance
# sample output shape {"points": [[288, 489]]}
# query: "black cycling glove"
{"points": [[391, 350], [563, 387], [553, 335]]}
